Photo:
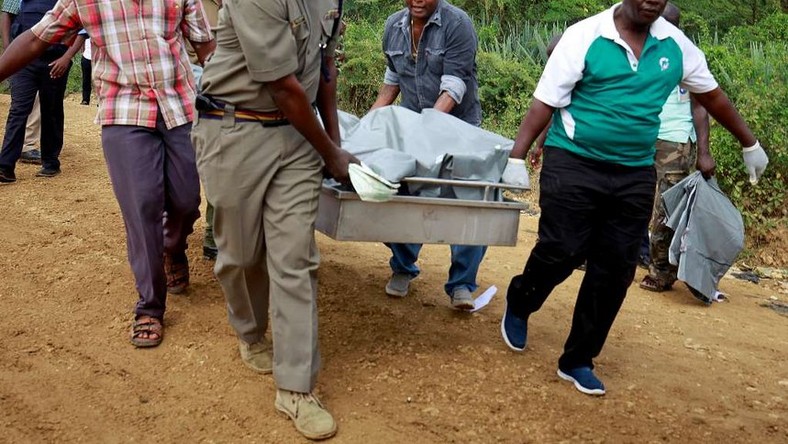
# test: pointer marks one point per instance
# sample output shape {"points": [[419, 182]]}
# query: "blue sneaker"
{"points": [[584, 380], [514, 330]]}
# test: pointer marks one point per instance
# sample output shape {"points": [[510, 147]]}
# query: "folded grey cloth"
{"points": [[709, 232]]}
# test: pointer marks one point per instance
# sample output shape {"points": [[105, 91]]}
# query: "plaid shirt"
{"points": [[140, 64]]}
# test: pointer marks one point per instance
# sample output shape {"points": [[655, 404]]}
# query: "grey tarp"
{"points": [[709, 232], [397, 142]]}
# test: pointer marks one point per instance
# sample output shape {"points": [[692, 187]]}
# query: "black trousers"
{"points": [[591, 211], [87, 79], [34, 78]]}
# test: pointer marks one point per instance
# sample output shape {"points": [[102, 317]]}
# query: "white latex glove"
{"points": [[515, 173], [755, 160]]}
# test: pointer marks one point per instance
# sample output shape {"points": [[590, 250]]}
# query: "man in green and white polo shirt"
{"points": [[604, 85]]}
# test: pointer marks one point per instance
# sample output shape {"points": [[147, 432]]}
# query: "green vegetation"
{"points": [[746, 44]]}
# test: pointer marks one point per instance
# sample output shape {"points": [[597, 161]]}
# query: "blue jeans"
{"points": [[465, 260]]}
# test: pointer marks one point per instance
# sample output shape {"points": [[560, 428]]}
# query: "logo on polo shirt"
{"points": [[664, 63]]}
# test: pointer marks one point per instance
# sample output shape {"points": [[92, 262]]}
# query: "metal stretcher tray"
{"points": [[411, 219]]}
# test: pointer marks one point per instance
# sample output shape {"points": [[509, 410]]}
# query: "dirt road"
{"points": [[394, 371]]}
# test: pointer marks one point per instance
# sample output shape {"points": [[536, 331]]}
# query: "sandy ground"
{"points": [[393, 370]]}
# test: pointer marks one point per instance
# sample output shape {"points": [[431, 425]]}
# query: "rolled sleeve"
{"points": [[60, 24], [270, 55], [460, 59], [697, 78], [11, 6], [454, 86], [194, 25], [563, 70], [390, 77]]}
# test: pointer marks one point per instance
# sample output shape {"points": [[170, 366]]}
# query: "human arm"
{"points": [[700, 119], [445, 103], [719, 106], [458, 64], [23, 50], [389, 91], [535, 157], [5, 28], [197, 30], [386, 96], [326, 100], [60, 65], [532, 125], [700, 82], [534, 122], [292, 101], [203, 50]]}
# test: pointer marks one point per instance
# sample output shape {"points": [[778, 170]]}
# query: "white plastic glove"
{"points": [[755, 160], [515, 173]]}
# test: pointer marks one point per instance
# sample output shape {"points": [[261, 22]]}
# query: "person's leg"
{"points": [[404, 257], [673, 162], [51, 95], [569, 190], [182, 187], [465, 261], [135, 161], [289, 218], [612, 258], [87, 80], [24, 87], [209, 244], [33, 129], [242, 152], [403, 267]]}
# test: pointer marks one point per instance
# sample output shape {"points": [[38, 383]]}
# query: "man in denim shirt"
{"points": [[430, 49]]}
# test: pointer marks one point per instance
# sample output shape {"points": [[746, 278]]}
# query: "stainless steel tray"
{"points": [[412, 219]]}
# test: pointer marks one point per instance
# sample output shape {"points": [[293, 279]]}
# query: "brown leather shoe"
{"points": [[176, 267]]}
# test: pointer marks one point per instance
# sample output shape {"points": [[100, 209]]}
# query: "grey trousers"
{"points": [[264, 185], [155, 180]]}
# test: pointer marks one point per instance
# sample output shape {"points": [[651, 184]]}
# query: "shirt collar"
{"points": [[660, 29], [434, 18]]}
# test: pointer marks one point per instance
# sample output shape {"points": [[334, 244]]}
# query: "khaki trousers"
{"points": [[33, 129], [264, 185]]}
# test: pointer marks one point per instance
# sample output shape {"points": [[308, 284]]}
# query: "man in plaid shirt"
{"points": [[146, 100]]}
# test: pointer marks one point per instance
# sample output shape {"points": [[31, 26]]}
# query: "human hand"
{"points": [[535, 157], [515, 173], [59, 67], [706, 165], [755, 160], [337, 165]]}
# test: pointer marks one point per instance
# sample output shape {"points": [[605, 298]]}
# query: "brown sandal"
{"points": [[150, 326], [651, 284], [177, 271]]}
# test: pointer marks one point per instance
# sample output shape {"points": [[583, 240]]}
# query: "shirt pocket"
{"points": [[435, 60], [329, 18], [399, 60], [299, 28]]}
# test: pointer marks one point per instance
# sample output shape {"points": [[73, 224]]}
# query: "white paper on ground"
{"points": [[484, 298]]}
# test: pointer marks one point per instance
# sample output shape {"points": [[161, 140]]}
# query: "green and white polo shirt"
{"points": [[607, 101]]}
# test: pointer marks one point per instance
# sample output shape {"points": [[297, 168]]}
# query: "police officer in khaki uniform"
{"points": [[211, 8], [259, 150]]}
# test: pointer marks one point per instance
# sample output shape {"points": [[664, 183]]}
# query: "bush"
{"points": [[505, 88], [756, 80], [363, 68]]}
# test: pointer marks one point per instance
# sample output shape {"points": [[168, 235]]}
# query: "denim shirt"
{"points": [[446, 61]]}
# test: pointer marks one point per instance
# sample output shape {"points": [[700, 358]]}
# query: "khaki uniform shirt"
{"points": [[260, 41], [211, 8]]}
